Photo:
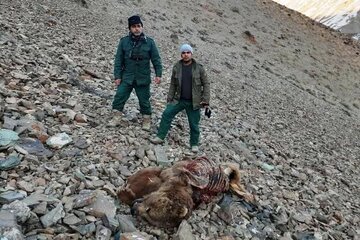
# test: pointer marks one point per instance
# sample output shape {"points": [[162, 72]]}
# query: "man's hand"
{"points": [[117, 82], [204, 104], [157, 80]]}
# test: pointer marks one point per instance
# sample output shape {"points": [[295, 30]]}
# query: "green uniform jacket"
{"points": [[200, 84], [132, 63]]}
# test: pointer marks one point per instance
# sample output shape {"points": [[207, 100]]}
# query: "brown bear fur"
{"points": [[169, 205], [141, 183], [146, 181], [170, 195]]}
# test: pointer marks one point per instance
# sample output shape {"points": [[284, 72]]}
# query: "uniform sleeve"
{"points": [[156, 60], [206, 86], [119, 61]]}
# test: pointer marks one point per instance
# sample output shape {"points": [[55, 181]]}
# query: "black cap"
{"points": [[134, 20]]}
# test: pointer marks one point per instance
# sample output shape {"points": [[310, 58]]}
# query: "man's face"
{"points": [[186, 56], [136, 29]]}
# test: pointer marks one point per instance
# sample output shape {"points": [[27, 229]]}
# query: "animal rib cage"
{"points": [[207, 178]]}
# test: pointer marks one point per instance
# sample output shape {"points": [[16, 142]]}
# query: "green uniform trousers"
{"points": [[193, 117], [123, 93]]}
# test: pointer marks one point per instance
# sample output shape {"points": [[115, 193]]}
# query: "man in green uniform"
{"points": [[189, 91], [132, 71]]}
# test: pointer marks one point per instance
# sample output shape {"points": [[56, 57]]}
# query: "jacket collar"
{"points": [[181, 61], [134, 38]]}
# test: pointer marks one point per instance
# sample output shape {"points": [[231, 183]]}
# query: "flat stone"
{"points": [[10, 196], [20, 209], [102, 233], [71, 219], [81, 143], [8, 226], [291, 195], [102, 206], [84, 198], [41, 208], [7, 137], [110, 223], [34, 147], [19, 75], [161, 156], [136, 236], [184, 232], [59, 140], [53, 216], [26, 186], [36, 198], [10, 162], [86, 229], [9, 123], [126, 223]]}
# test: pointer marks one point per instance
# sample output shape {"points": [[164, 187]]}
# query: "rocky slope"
{"points": [[285, 98]]}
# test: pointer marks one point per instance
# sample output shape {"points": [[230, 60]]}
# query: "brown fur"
{"points": [[168, 194], [169, 205], [143, 182]]}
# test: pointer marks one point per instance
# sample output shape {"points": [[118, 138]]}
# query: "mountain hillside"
{"points": [[286, 107], [337, 14]]}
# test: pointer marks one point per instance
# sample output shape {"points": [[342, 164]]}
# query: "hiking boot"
{"points": [[195, 149], [156, 140], [146, 122], [116, 120]]}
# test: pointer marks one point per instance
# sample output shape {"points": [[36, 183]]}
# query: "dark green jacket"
{"points": [[132, 61], [200, 84]]}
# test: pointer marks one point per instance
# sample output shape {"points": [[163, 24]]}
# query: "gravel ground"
{"points": [[285, 99]]}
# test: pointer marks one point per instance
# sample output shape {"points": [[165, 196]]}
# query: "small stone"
{"points": [[71, 219], [53, 216], [161, 156], [184, 232]]}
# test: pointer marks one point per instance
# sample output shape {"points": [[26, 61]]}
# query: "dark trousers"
{"points": [[123, 93], [193, 117]]}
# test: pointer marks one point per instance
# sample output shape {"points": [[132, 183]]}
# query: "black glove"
{"points": [[207, 112]]}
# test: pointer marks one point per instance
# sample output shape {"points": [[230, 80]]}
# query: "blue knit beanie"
{"points": [[186, 48]]}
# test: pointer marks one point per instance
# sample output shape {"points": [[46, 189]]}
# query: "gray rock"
{"points": [[9, 123], [7, 137], [161, 156], [85, 229], [59, 140], [71, 219], [278, 96], [85, 197], [110, 223], [136, 236], [20, 209], [41, 208], [8, 226], [53, 216], [10, 162], [102, 233], [102, 205], [81, 143], [184, 232], [126, 223], [26, 186], [140, 153], [10, 196], [34, 147], [36, 198]]}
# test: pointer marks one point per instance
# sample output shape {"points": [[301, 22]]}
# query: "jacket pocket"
{"points": [[197, 79]]}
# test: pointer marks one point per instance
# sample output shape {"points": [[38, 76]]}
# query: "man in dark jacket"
{"points": [[132, 71], [189, 91]]}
